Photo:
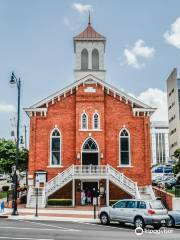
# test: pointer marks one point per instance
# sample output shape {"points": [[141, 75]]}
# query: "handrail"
{"points": [[91, 170]]}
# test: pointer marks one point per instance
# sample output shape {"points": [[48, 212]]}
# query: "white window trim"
{"points": [[84, 129], [55, 166], [129, 136], [99, 127], [90, 130], [50, 160], [98, 151]]}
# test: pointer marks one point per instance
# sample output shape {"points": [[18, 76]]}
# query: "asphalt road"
{"points": [[51, 230]]}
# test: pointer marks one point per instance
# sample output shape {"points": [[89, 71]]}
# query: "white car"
{"points": [[138, 212], [2, 177]]}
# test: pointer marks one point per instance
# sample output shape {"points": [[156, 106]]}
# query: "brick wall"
{"points": [[114, 115], [115, 193], [167, 198], [63, 193]]}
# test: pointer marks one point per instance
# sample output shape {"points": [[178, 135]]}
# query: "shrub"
{"points": [[60, 202], [5, 188]]}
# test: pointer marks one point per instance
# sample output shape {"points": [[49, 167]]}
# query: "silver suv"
{"points": [[138, 212]]}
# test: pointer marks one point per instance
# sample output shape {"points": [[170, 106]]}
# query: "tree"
{"points": [[8, 156], [177, 166]]}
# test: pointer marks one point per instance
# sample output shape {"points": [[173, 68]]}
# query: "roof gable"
{"points": [[89, 33], [137, 105]]}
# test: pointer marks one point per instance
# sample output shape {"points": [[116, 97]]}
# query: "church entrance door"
{"points": [[90, 152]]}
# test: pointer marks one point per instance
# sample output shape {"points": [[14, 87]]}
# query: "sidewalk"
{"points": [[6, 213], [83, 214]]}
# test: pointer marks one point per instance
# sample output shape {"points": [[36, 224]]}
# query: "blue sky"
{"points": [[143, 46]]}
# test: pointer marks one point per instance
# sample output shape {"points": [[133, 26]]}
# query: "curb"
{"points": [[4, 216], [58, 219]]}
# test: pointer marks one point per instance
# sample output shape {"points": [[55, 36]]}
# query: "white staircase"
{"points": [[89, 172], [146, 192]]}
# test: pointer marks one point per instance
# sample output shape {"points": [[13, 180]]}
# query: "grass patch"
{"points": [[3, 195], [172, 191]]}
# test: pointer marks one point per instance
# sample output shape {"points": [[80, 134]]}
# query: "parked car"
{"points": [[156, 181], [174, 218], [138, 212], [2, 177], [170, 183], [163, 169]]}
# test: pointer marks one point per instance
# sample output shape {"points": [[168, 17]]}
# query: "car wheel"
{"points": [[171, 222], [139, 222], [157, 226], [104, 219]]}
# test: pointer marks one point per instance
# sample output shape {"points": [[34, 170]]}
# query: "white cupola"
{"points": [[89, 49]]}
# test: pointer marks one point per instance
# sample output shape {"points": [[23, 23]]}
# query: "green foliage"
{"points": [[176, 168], [177, 153], [60, 202], [8, 156], [5, 188], [3, 195]]}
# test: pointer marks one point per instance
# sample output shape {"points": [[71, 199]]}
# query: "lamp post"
{"points": [[16, 81]]}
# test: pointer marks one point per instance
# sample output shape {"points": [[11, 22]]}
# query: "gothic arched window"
{"points": [[96, 121], [84, 59], [124, 147], [84, 121], [90, 145], [55, 147], [95, 59]]}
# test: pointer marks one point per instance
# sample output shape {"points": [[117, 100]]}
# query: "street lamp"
{"points": [[16, 81]]}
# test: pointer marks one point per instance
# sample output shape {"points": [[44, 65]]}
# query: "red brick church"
{"points": [[90, 135]]}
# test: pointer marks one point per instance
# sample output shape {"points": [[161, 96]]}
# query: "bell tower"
{"points": [[89, 49]]}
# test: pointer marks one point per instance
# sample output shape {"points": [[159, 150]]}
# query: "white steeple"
{"points": [[89, 49]]}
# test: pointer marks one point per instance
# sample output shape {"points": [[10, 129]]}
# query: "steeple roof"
{"points": [[89, 33]]}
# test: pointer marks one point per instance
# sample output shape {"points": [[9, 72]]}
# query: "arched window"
{"points": [[90, 145], [96, 121], [124, 143], [84, 59], [95, 59], [84, 121], [55, 147]]}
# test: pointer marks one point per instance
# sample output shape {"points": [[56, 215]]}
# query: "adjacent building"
{"points": [[89, 135], [160, 142], [173, 96]]}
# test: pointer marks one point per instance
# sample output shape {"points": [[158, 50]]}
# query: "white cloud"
{"points": [[81, 8], [6, 108], [172, 36], [155, 97], [139, 50]]}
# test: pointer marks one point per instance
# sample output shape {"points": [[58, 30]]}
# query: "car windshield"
{"points": [[156, 205]]}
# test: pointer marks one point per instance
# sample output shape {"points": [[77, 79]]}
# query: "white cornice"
{"points": [[74, 86]]}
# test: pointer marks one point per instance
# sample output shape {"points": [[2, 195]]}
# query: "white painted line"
{"points": [[49, 225], [18, 238], [29, 228], [99, 225]]}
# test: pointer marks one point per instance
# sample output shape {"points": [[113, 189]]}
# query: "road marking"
{"points": [[94, 224], [29, 228], [26, 238], [49, 225]]}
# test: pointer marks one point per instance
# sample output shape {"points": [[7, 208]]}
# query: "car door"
{"points": [[117, 211], [130, 212]]}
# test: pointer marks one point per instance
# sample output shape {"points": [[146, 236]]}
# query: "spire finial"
{"points": [[89, 23]]}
